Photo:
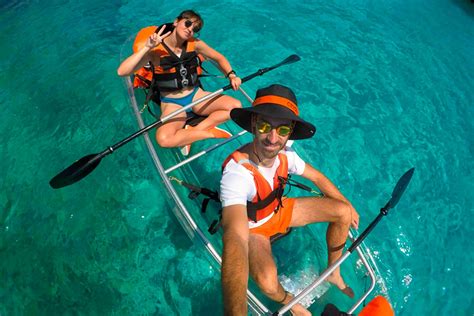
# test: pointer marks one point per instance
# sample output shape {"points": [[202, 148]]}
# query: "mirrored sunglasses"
{"points": [[264, 127]]}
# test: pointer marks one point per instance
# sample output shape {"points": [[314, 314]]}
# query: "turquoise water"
{"points": [[388, 84]]}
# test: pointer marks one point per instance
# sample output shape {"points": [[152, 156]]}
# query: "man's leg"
{"points": [[309, 210], [264, 272]]}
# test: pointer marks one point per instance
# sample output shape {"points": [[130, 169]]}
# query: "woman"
{"points": [[174, 56]]}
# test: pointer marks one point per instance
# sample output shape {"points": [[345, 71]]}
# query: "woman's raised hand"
{"points": [[156, 38]]}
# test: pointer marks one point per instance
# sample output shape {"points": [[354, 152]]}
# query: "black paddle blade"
{"points": [[76, 171], [290, 59], [293, 58], [400, 189]]}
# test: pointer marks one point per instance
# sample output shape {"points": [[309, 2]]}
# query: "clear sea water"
{"points": [[389, 84]]}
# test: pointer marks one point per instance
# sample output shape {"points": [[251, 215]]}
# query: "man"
{"points": [[253, 206]]}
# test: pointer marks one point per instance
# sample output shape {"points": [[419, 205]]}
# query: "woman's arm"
{"points": [[142, 57], [222, 62], [134, 62]]}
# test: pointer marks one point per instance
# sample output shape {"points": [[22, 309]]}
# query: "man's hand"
{"points": [[354, 218]]}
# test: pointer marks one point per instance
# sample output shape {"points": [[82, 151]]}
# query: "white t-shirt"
{"points": [[238, 185]]}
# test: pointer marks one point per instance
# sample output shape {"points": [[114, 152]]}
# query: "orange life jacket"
{"points": [[173, 73], [266, 201], [379, 306]]}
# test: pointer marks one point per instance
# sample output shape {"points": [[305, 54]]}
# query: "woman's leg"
{"points": [[172, 133], [216, 109]]}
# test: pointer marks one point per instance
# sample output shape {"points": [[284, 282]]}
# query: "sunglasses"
{"points": [[264, 127], [188, 23]]}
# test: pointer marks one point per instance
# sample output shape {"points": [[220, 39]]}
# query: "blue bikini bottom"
{"points": [[183, 101]]}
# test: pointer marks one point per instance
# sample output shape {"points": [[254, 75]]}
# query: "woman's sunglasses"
{"points": [[264, 127], [188, 23]]}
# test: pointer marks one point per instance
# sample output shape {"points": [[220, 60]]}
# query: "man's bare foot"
{"points": [[299, 310], [341, 285]]}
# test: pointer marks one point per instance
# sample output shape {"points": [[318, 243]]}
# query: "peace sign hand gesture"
{"points": [[156, 38]]}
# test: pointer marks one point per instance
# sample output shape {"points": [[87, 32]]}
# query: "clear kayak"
{"points": [[301, 256]]}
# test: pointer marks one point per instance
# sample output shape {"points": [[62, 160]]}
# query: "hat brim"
{"points": [[243, 118]]}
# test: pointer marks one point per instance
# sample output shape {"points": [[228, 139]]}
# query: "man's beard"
{"points": [[270, 154]]}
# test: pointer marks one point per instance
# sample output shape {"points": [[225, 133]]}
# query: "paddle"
{"points": [[396, 195], [82, 167]]}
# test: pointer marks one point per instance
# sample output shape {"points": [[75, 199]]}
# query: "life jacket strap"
{"points": [[290, 182], [277, 193], [215, 225], [145, 80]]}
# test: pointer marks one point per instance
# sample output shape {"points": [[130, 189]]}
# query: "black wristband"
{"points": [[230, 73], [284, 298]]}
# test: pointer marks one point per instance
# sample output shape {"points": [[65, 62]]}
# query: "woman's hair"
{"points": [[190, 14]]}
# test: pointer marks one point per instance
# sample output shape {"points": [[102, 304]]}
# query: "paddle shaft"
{"points": [[367, 231], [87, 164], [163, 120]]}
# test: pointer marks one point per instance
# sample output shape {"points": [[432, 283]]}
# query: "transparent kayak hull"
{"points": [[300, 257]]}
